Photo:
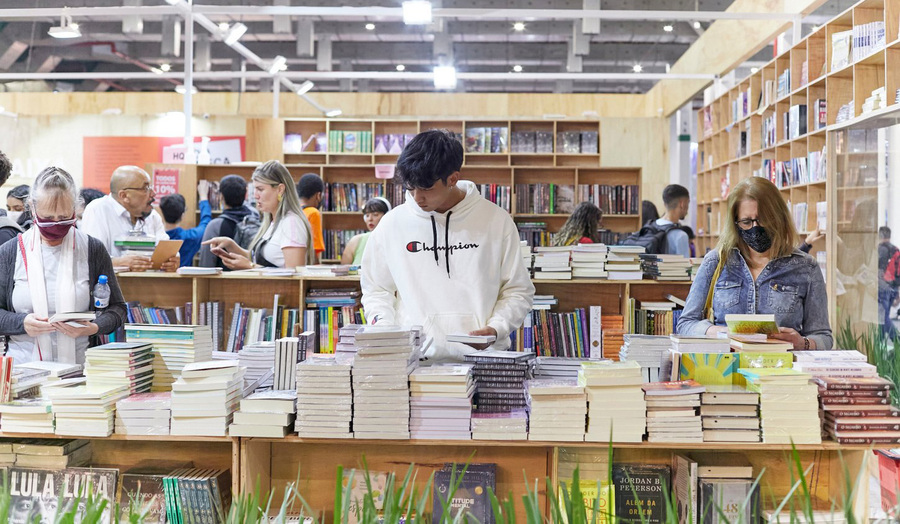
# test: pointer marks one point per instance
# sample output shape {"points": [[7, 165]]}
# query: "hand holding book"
{"points": [[478, 339], [791, 335]]}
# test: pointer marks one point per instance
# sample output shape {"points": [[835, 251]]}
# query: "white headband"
{"points": [[388, 204]]}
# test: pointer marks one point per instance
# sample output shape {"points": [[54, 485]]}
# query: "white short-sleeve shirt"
{"points": [[107, 221], [290, 232]]}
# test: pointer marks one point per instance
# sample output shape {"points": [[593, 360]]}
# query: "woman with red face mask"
{"points": [[52, 268]]}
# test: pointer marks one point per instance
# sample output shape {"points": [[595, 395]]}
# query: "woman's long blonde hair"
{"points": [[274, 173], [773, 217]]}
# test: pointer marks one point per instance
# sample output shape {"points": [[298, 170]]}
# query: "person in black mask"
{"points": [[756, 269]]}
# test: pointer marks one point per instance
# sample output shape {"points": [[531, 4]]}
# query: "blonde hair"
{"points": [[772, 213], [274, 174]]}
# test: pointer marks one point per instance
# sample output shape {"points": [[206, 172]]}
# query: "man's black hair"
{"points": [[5, 168], [673, 193], [20, 192], [430, 156], [309, 185], [172, 207], [88, 195], [233, 189], [884, 233]]}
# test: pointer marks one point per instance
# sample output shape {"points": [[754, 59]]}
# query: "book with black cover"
{"points": [[641, 492], [471, 496], [36, 492]]}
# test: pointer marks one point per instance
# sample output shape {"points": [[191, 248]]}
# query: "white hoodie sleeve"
{"points": [[378, 286], [516, 289]]}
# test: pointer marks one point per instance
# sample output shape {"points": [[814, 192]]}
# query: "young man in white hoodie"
{"points": [[446, 259]]}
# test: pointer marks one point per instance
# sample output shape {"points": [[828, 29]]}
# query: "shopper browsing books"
{"points": [[51, 269], [127, 208], [756, 268], [311, 190], [677, 200], [285, 233], [581, 227], [9, 228], [446, 259], [173, 208], [237, 220], [17, 206], [374, 210]]}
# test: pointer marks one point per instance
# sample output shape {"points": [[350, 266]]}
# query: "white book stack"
{"points": [[440, 402], [259, 361], [788, 405], [32, 415], [385, 357], [700, 344], [558, 367], [552, 263], [128, 364], [507, 425], [730, 414], [347, 339], [288, 352], [205, 397], [834, 364], [557, 410], [324, 396], [58, 370], [589, 261], [673, 411], [624, 263], [174, 347], [525, 249], [51, 453], [616, 406], [648, 351], [86, 411], [265, 414], [144, 414]]}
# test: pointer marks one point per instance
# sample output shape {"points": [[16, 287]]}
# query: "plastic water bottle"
{"points": [[101, 293]]}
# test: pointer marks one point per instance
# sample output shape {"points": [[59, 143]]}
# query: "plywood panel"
{"points": [[268, 139]]}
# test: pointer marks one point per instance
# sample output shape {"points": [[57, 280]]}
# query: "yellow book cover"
{"points": [[762, 359], [709, 369], [589, 490]]}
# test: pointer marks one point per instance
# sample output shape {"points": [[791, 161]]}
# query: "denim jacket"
{"points": [[792, 288]]}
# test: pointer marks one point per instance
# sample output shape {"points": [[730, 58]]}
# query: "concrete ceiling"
{"points": [[476, 46]]}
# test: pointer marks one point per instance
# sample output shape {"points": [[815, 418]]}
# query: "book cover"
{"points": [[471, 496], [724, 501], [685, 479], [709, 369], [683, 387], [640, 492], [35, 493], [748, 324]]}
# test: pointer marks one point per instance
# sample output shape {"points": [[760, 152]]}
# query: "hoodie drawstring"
{"points": [[447, 242], [434, 236]]}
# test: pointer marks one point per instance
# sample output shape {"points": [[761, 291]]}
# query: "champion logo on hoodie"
{"points": [[416, 247]]}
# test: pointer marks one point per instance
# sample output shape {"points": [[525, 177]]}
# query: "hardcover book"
{"points": [[37, 493], [641, 492], [470, 497]]}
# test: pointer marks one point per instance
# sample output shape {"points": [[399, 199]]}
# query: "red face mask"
{"points": [[54, 230]]}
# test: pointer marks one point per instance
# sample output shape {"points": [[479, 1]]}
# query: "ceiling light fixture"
{"points": [[668, 28], [444, 77], [182, 90], [754, 70], [156, 70], [333, 113], [637, 68], [697, 25], [278, 64], [223, 26], [417, 12], [234, 33], [65, 29], [165, 67], [401, 67], [517, 68], [370, 27], [519, 26], [304, 88]]}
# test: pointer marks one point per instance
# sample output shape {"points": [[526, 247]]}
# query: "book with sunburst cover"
{"points": [[709, 369], [749, 324]]}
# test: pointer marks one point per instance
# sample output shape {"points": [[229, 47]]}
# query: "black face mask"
{"points": [[757, 238]]}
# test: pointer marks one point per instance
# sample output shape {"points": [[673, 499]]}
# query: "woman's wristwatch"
{"points": [[805, 343]]}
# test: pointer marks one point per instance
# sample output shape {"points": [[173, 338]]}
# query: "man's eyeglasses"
{"points": [[141, 189], [747, 223]]}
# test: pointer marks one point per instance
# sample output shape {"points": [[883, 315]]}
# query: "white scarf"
{"points": [[64, 351]]}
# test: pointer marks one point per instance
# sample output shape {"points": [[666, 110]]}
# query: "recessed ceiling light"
{"points": [[637, 68], [401, 67], [517, 68], [165, 67], [444, 77], [697, 25], [370, 27], [754, 70], [417, 12], [668, 28], [519, 26]]}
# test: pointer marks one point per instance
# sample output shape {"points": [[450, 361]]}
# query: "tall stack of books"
{"points": [[648, 351], [128, 364], [84, 410], [500, 379], [624, 263], [174, 347], [144, 414], [324, 396], [385, 357], [259, 361], [589, 261], [52, 453], [205, 397], [525, 251], [558, 367], [440, 402], [730, 414], [673, 411], [30, 415], [858, 410], [616, 405], [788, 405], [552, 263], [557, 410], [666, 267], [265, 414]]}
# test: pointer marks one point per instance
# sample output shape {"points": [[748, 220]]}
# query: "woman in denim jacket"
{"points": [[763, 272]]}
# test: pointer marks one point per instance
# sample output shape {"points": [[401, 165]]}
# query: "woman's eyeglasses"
{"points": [[747, 223]]}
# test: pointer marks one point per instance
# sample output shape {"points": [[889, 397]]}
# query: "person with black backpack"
{"points": [[238, 221], [665, 235], [888, 279]]}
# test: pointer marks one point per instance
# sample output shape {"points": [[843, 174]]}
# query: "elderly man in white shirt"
{"points": [[129, 206]]}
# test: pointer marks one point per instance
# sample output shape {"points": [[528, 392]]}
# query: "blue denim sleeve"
{"points": [[693, 318], [815, 311]]}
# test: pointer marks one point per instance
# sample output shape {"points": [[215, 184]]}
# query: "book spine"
{"points": [[843, 401], [862, 426]]}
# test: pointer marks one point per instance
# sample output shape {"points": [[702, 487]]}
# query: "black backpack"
{"points": [[652, 237]]}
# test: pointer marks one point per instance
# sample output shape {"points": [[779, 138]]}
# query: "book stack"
{"points": [[265, 414], [52, 453], [624, 263], [699, 344], [128, 364], [196, 495], [558, 367], [758, 343], [174, 347], [506, 425], [788, 405], [327, 310], [672, 411], [86, 411], [730, 414], [30, 415], [858, 410], [385, 357], [259, 361], [589, 261], [57, 370], [696, 262], [324, 396], [552, 263], [666, 267], [288, 352], [347, 339], [440, 402], [557, 410], [527, 257], [648, 351], [834, 364], [205, 397], [26, 383], [144, 414], [500, 379], [616, 405]]}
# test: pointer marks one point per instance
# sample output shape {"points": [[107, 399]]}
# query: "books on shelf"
{"points": [[128, 364], [51, 453], [336, 240], [729, 414], [252, 325], [289, 351], [144, 414], [174, 347], [841, 43], [265, 414], [545, 198], [85, 410], [392, 143], [797, 121], [867, 38], [295, 143], [496, 193], [259, 362], [60, 490], [347, 197], [729, 500], [487, 139], [648, 351], [621, 199], [552, 334], [205, 397], [666, 267], [788, 405], [784, 84], [623, 263], [653, 318], [569, 142], [875, 422], [349, 141], [531, 142], [327, 310], [32, 415], [324, 396], [616, 405], [557, 410], [440, 402], [500, 389]]}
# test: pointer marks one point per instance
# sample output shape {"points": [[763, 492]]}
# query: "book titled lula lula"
{"points": [[728, 500]]}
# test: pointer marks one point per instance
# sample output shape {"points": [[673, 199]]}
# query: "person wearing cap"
{"points": [[374, 210]]}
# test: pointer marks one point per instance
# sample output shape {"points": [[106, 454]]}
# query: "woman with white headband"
{"points": [[375, 209], [50, 269]]}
